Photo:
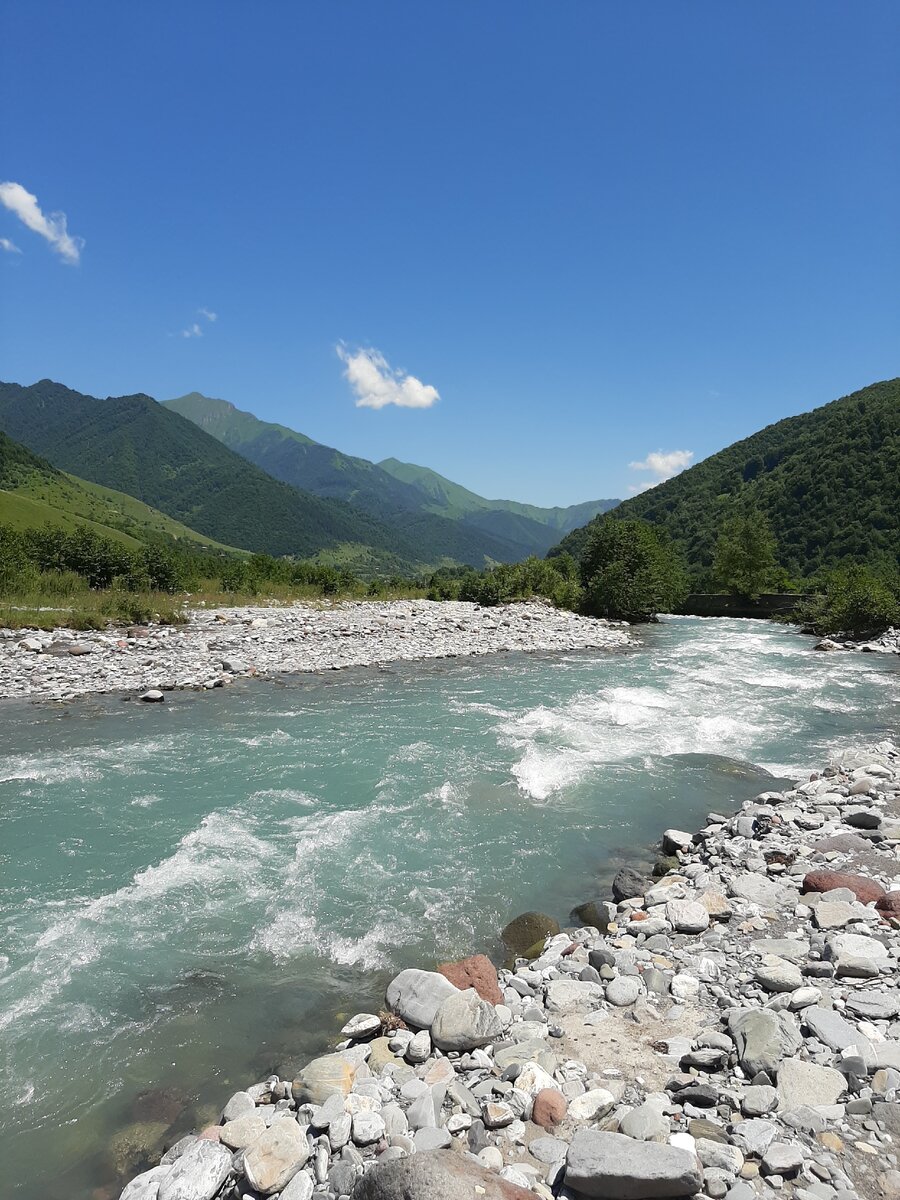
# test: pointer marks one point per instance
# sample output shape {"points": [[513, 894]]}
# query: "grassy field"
{"points": [[64, 602]]}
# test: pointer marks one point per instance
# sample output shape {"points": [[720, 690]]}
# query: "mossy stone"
{"points": [[523, 931]]}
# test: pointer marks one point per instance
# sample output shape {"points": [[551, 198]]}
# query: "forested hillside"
{"points": [[134, 445], [828, 482], [444, 519]]}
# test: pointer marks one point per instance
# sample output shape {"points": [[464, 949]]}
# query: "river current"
{"points": [[194, 893]]}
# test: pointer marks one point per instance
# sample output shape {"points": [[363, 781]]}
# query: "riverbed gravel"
{"points": [[216, 646], [728, 1027]]}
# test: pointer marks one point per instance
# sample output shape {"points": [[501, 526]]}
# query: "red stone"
{"points": [[211, 1133], [478, 972], [550, 1106], [889, 906], [865, 890]]}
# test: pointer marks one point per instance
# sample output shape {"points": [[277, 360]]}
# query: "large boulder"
{"points": [[763, 1038], [417, 995], [435, 1175], [523, 931], [629, 883], [198, 1173], [888, 905], [323, 1077], [616, 1167], [275, 1158], [464, 1022], [865, 890], [478, 972]]}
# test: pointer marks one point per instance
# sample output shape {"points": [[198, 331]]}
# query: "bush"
{"points": [[857, 601], [629, 573], [745, 555]]}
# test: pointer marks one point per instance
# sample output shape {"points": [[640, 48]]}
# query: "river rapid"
{"points": [[194, 892]]}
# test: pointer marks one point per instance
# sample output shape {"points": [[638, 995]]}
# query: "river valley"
{"points": [[194, 891]]}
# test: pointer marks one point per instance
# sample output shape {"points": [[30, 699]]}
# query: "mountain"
{"points": [[505, 517], [34, 494], [443, 518], [828, 481], [134, 445]]}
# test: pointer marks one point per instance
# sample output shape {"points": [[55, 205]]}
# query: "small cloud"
{"points": [[51, 226], [9, 247], [663, 464], [195, 329], [377, 384]]}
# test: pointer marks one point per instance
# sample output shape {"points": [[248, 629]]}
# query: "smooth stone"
{"points": [[464, 1021], [874, 1006], [299, 1188], [623, 990], [687, 916], [572, 995], [363, 1025], [550, 1107], [758, 1100], [763, 1038], [146, 1185], [591, 1105], [832, 1029], [367, 1127], [240, 1104], [646, 1123], [719, 1156], [548, 1149], [324, 1077], [606, 1165], [417, 996], [432, 1139], [629, 883], [435, 1175], [782, 1158], [778, 975], [277, 1156], [242, 1132], [198, 1173], [524, 931], [805, 1084]]}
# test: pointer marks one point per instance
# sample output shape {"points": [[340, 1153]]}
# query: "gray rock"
{"points": [[198, 1173], [548, 1149], [152, 696], [777, 975], [606, 1165], [417, 996], [464, 1021], [753, 1136], [432, 1139], [367, 1127], [687, 916], [146, 1185], [767, 893], [629, 883], [572, 995], [272, 1161], [240, 1104], [646, 1123], [299, 1188], [787, 948], [758, 1100], [831, 1029], [763, 1038], [624, 990], [433, 1175], [719, 1156], [874, 1006], [805, 1084], [783, 1158]]}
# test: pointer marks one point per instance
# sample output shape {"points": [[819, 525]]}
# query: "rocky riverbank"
{"points": [[215, 647], [888, 643], [727, 1028]]}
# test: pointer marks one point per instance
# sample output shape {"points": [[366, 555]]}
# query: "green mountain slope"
{"points": [[828, 481], [452, 499], [134, 445], [442, 518], [34, 494]]}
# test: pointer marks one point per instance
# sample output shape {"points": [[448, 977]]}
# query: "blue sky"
{"points": [[589, 232]]}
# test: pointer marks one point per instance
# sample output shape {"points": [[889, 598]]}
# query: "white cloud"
{"points": [[663, 464], [9, 247], [51, 226], [195, 329], [377, 384]]}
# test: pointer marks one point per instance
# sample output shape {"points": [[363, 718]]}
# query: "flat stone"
{"points": [[591, 1105], [833, 914], [763, 1038], [464, 1022], [805, 1084], [832, 1029], [778, 975], [865, 890], [548, 1149], [242, 1132], [606, 1165], [783, 1158], [277, 1157], [417, 996], [572, 995], [764, 892], [874, 1006], [758, 1100], [198, 1173], [787, 948], [435, 1175], [363, 1025], [687, 916]]}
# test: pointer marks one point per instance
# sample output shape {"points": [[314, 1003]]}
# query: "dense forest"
{"points": [[827, 481]]}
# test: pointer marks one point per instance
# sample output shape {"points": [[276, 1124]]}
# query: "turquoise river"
{"points": [[192, 893]]}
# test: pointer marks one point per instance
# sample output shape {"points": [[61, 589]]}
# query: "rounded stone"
{"points": [[523, 931], [550, 1107]]}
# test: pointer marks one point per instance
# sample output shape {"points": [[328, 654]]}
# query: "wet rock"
{"points": [[478, 972], [629, 883], [523, 931], [152, 696], [606, 1165]]}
